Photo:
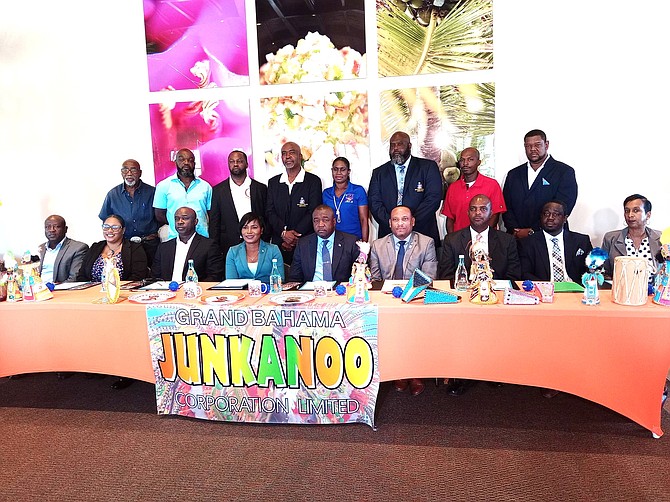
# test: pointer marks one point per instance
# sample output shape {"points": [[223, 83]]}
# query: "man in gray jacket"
{"points": [[60, 256]]}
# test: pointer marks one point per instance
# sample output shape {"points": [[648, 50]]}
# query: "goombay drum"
{"points": [[630, 280]]}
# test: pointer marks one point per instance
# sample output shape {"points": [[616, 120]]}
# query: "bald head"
{"points": [[399, 147], [479, 212], [54, 229], [130, 172], [291, 156], [185, 221]]}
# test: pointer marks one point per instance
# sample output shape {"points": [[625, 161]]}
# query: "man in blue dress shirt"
{"points": [[133, 200]]}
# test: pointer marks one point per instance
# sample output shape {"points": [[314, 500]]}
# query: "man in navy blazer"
{"points": [[502, 248], [308, 259], [536, 251], [292, 197], [421, 188], [188, 245], [551, 180], [60, 256], [250, 196]]}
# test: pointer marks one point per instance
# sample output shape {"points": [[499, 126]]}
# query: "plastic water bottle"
{"points": [[191, 289], [461, 278], [191, 275], [275, 278]]}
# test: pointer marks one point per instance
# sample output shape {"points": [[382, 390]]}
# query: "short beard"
{"points": [[398, 158], [131, 184]]}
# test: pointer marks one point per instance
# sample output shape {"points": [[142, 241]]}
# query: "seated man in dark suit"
{"points": [[502, 251], [327, 254], [172, 256], [502, 248], [555, 253]]}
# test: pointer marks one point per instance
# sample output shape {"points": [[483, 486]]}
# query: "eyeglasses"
{"points": [[115, 228], [133, 170], [555, 214]]}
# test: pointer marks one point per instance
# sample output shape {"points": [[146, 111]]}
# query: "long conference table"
{"points": [[617, 356]]}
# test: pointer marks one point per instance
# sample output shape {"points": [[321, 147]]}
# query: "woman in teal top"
{"points": [[252, 259]]}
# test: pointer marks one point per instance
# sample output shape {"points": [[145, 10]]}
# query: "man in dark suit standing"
{"points": [[233, 198], [531, 185], [409, 181], [502, 248], [327, 254], [172, 256], [60, 256], [555, 253], [292, 197]]}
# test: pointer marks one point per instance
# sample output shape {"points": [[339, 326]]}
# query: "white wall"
{"points": [[74, 105]]}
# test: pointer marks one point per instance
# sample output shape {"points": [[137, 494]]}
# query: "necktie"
{"points": [[401, 183], [397, 271], [556, 261], [325, 261], [478, 238]]}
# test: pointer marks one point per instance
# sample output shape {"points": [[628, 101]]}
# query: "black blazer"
{"points": [[345, 252], [205, 253], [132, 254], [294, 210], [502, 252], [224, 226], [534, 255], [422, 193], [556, 181]]}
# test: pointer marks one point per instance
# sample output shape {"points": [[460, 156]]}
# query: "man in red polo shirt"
{"points": [[471, 183]]}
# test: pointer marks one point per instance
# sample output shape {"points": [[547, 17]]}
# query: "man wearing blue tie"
{"points": [[325, 255], [409, 181]]}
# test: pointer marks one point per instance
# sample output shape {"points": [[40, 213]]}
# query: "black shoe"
{"points": [[122, 383], [456, 387]]}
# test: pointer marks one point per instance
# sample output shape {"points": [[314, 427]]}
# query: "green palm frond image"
{"points": [[468, 109], [461, 41]]}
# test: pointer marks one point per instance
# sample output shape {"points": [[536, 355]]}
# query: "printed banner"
{"points": [[308, 364]]}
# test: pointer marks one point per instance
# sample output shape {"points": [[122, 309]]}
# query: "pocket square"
{"points": [[580, 252], [545, 182]]}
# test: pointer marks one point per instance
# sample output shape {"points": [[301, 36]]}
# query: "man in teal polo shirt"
{"points": [[183, 189]]}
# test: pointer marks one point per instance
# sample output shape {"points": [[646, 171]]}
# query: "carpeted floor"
{"points": [[77, 439]]}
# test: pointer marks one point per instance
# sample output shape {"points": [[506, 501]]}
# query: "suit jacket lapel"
{"points": [[312, 250], [544, 173], [337, 251], [545, 255], [59, 257], [227, 195]]}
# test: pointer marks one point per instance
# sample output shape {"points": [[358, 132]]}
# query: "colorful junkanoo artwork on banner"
{"points": [[303, 364]]}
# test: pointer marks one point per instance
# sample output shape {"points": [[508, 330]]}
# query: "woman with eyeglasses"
{"points": [[349, 201], [129, 257]]}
